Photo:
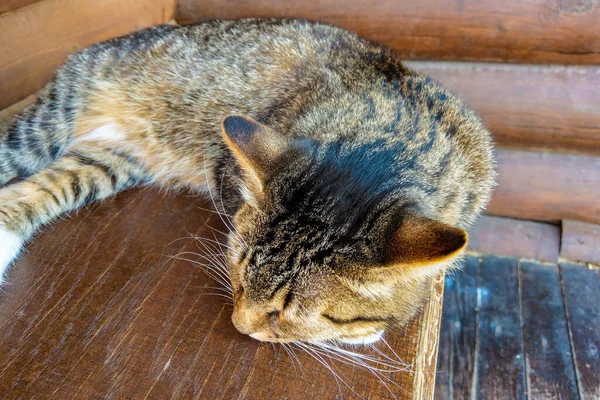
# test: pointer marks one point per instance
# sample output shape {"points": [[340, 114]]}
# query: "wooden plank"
{"points": [[42, 34], [96, 309], [543, 186], [13, 5], [548, 356], [525, 106], [515, 238], [499, 366], [580, 241], [582, 301], [535, 31], [456, 363]]}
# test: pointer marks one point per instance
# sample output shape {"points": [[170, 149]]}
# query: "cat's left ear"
{"points": [[257, 147]]}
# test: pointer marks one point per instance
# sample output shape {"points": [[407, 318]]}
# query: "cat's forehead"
{"points": [[288, 261]]}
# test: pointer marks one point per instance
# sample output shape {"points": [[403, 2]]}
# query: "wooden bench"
{"points": [[97, 307]]}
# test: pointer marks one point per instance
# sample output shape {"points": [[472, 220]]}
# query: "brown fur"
{"points": [[350, 177]]}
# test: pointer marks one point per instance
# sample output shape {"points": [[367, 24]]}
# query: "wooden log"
{"points": [[580, 242], [515, 238], [580, 287], [543, 186], [534, 31], [548, 357], [524, 106], [36, 39]]}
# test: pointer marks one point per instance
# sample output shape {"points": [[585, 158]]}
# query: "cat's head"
{"points": [[321, 247]]}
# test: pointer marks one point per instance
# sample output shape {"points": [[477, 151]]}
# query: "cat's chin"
{"points": [[375, 337]]}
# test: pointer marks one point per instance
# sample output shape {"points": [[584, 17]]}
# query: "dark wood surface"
{"points": [[548, 355], [527, 106], [545, 186], [515, 238], [580, 241], [36, 39], [96, 308], [499, 370], [535, 31], [520, 329], [582, 299], [458, 334]]}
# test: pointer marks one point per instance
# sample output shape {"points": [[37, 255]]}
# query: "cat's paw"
{"points": [[10, 245]]}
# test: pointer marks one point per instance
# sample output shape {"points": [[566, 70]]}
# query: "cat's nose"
{"points": [[240, 321]]}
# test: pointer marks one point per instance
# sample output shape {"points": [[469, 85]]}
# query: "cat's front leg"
{"points": [[85, 175]]}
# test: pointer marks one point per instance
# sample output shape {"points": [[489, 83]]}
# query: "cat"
{"points": [[349, 177]]}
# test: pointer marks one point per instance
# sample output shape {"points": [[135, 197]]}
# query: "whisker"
{"points": [[374, 371], [226, 222], [204, 239], [211, 271], [320, 359]]}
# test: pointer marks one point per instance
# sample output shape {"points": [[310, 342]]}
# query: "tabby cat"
{"points": [[349, 177]]}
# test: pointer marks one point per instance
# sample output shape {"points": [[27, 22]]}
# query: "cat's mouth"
{"points": [[265, 336]]}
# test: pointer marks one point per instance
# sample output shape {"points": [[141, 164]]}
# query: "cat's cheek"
{"points": [[10, 246]]}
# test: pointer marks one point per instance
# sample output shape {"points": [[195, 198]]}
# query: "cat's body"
{"points": [[352, 135]]}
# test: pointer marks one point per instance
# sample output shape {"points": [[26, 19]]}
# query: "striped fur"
{"points": [[362, 164]]}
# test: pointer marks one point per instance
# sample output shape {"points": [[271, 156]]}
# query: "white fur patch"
{"points": [[364, 339], [105, 133], [10, 245]]}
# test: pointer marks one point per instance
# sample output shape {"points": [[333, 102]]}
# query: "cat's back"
{"points": [[301, 79]]}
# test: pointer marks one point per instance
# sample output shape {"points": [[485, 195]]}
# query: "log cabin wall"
{"points": [[530, 68]]}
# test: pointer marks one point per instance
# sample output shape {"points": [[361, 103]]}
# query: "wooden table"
{"points": [[97, 308]]}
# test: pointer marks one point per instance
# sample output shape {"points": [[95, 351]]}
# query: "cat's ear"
{"points": [[256, 146], [423, 242]]}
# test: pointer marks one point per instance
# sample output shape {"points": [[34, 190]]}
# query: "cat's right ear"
{"points": [[256, 147]]}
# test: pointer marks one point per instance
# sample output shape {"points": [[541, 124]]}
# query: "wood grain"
{"points": [[499, 370], [580, 241], [36, 39], [515, 238], [96, 308], [525, 106], [535, 31], [458, 333], [580, 287], [548, 356], [13, 5], [544, 186]]}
